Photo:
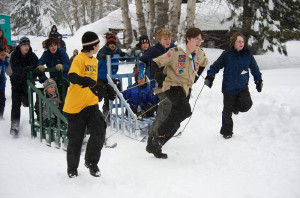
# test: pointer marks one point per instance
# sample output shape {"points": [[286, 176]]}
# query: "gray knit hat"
{"points": [[49, 83]]}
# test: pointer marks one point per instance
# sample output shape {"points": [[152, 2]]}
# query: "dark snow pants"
{"points": [[90, 118], [241, 102], [162, 113], [2, 101], [180, 110], [19, 95]]}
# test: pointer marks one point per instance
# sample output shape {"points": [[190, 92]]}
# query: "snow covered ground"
{"points": [[262, 160]]}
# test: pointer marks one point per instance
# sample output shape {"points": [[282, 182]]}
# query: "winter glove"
{"points": [[137, 53], [259, 85], [209, 81], [87, 82], [122, 54], [41, 68], [59, 67], [99, 90], [28, 69], [111, 92], [111, 53], [42, 79]]}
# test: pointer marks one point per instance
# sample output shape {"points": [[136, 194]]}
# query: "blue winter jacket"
{"points": [[102, 62], [3, 67], [140, 95], [236, 70], [60, 57]]}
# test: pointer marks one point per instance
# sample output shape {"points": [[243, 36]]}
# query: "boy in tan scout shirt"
{"points": [[182, 65]]}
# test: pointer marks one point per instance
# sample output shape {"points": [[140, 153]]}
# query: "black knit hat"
{"points": [[144, 39], [90, 38]]}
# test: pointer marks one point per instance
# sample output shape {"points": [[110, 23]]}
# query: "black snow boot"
{"points": [[154, 146], [94, 170], [72, 173], [14, 130], [227, 136]]}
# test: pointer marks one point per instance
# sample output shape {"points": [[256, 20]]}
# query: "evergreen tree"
{"points": [[267, 23]]}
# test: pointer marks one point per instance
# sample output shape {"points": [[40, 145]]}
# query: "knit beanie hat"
{"points": [[24, 41], [49, 83], [111, 39], [89, 38], [144, 39]]}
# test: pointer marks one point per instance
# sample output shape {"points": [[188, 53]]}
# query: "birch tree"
{"points": [[190, 13], [140, 17], [160, 14], [75, 14], [127, 23], [152, 20], [174, 17]]}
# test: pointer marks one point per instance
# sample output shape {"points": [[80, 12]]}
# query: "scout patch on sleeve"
{"points": [[170, 52], [181, 58]]}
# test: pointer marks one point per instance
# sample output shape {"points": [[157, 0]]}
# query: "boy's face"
{"points": [[239, 43], [51, 90], [194, 43], [145, 46], [24, 49], [165, 41], [2, 55], [53, 48], [112, 47]]}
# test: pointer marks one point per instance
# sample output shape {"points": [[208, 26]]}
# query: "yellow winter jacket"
{"points": [[179, 67]]}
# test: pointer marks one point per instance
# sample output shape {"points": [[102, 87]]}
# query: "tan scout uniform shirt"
{"points": [[179, 67]]}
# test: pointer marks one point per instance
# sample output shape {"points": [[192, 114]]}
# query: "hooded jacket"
{"points": [[18, 64], [236, 70], [51, 60]]}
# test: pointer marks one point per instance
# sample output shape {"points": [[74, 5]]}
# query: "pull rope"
{"points": [[193, 108]]}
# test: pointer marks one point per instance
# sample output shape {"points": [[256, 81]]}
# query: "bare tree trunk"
{"points": [[93, 7], [75, 14], [127, 23], [160, 14], [174, 17], [83, 2], [100, 9], [140, 17], [190, 13], [152, 20], [63, 14]]}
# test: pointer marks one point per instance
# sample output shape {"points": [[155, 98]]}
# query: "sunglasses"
{"points": [[24, 41]]}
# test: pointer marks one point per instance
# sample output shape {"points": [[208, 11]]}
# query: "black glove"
{"points": [[209, 81], [259, 85], [111, 53], [28, 69], [87, 82], [122, 54], [111, 92], [99, 90], [1, 80]]}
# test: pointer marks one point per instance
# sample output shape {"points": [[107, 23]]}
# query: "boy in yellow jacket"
{"points": [[81, 107]]}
